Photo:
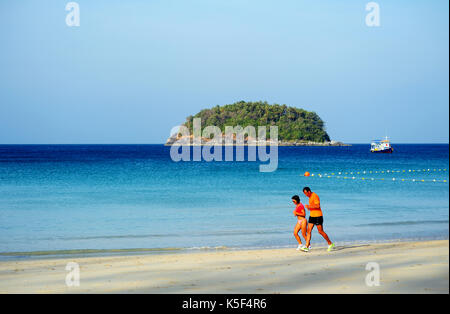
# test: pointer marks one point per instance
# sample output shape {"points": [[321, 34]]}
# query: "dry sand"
{"points": [[405, 267]]}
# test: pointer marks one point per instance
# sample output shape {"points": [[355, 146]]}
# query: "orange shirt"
{"points": [[314, 206]]}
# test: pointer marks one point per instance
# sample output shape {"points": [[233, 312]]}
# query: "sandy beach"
{"points": [[405, 267]]}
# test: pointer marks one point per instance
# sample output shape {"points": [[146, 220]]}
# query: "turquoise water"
{"points": [[103, 197]]}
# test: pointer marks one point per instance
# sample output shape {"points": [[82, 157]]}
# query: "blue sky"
{"points": [[134, 69]]}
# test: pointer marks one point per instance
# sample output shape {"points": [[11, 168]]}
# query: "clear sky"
{"points": [[135, 68]]}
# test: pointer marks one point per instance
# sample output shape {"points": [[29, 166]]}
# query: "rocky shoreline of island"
{"points": [[189, 141]]}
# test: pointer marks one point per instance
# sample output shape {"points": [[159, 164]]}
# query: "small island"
{"points": [[296, 127]]}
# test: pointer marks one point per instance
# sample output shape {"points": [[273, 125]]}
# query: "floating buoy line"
{"points": [[365, 175]]}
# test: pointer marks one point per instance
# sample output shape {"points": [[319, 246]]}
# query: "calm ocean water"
{"points": [[79, 197]]}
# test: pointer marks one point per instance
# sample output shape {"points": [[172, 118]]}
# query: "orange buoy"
{"points": [[307, 174]]}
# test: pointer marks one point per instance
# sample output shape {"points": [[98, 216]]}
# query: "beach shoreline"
{"points": [[405, 267], [118, 252]]}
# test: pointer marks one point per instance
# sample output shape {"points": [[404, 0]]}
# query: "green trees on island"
{"points": [[293, 124]]}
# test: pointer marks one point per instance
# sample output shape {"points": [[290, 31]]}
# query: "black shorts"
{"points": [[318, 221]]}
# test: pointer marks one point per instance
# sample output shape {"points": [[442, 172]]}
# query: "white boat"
{"points": [[381, 146]]}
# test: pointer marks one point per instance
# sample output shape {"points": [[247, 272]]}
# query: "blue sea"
{"points": [[107, 198]]}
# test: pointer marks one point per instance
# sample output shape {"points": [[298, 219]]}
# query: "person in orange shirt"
{"points": [[315, 219], [300, 213]]}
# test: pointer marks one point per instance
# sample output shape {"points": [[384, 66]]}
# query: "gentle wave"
{"points": [[102, 252]]}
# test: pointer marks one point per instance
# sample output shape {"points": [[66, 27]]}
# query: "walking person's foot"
{"points": [[305, 249], [299, 247], [331, 247]]}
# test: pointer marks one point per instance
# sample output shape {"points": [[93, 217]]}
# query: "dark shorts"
{"points": [[318, 221]]}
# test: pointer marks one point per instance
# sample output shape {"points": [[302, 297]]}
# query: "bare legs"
{"points": [[300, 226], [321, 232]]}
